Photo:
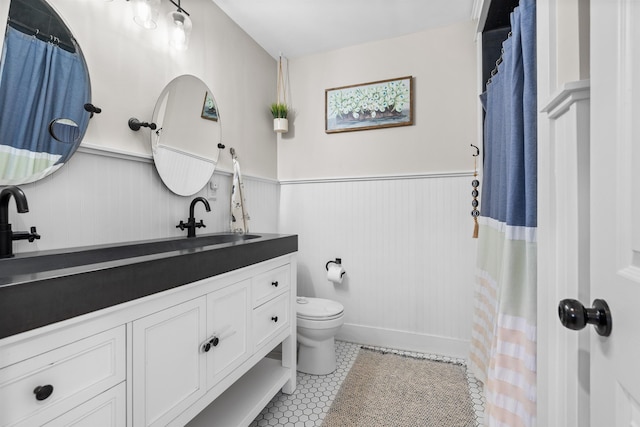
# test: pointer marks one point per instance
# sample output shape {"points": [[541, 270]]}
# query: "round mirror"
{"points": [[44, 86], [64, 130], [185, 142]]}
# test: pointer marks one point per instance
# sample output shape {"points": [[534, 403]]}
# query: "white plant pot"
{"points": [[281, 125]]}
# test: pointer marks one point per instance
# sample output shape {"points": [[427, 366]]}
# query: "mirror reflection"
{"points": [[185, 143], [64, 130], [44, 84]]}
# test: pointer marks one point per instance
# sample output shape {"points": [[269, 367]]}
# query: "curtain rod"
{"points": [[28, 30]]}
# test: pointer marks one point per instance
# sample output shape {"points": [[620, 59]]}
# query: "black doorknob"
{"points": [[574, 315]]}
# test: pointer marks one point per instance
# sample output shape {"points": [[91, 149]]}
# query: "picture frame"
{"points": [[209, 110], [374, 105]]}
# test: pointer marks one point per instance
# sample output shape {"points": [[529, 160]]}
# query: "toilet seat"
{"points": [[318, 309]]}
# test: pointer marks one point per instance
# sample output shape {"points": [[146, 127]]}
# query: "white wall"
{"points": [[404, 240], [95, 199], [407, 248], [443, 63], [130, 66]]}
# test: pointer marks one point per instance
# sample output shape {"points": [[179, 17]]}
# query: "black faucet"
{"points": [[6, 235], [191, 223]]}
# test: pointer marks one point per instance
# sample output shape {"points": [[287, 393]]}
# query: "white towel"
{"points": [[239, 216]]}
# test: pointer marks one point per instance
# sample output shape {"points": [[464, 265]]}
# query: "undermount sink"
{"points": [[35, 262]]}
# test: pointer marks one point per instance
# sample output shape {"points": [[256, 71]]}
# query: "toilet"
{"points": [[318, 322]]}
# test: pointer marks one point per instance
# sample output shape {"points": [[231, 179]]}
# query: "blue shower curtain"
{"points": [[40, 82], [503, 343]]}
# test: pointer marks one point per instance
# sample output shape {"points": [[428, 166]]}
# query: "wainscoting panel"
{"points": [[96, 199], [406, 246]]}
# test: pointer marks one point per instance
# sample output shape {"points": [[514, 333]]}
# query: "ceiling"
{"points": [[294, 28]]}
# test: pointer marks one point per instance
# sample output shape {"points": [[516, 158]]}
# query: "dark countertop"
{"points": [[35, 291]]}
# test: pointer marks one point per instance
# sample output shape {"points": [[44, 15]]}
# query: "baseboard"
{"points": [[403, 340]]}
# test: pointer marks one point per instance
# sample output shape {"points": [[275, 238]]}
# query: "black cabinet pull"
{"points": [[213, 342], [274, 318], [43, 392], [274, 283]]}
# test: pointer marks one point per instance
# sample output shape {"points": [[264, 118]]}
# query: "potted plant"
{"points": [[280, 121]]}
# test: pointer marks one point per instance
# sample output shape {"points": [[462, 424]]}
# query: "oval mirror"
{"points": [[44, 85], [185, 142]]}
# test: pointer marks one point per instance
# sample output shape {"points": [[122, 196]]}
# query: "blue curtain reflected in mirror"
{"points": [[39, 83], [64, 130]]}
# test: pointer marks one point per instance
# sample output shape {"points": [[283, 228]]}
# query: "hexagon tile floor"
{"points": [[314, 394]]}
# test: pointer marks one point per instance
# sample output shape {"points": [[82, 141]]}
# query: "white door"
{"points": [[615, 209]]}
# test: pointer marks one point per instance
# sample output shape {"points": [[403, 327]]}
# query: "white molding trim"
{"points": [[480, 12], [402, 340], [378, 178], [148, 158], [568, 95], [100, 150], [249, 177]]}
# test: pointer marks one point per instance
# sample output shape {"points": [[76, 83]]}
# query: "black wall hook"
{"points": [[92, 109], [477, 151], [135, 124]]}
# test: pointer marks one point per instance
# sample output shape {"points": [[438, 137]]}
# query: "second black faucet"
{"points": [[6, 235], [191, 223]]}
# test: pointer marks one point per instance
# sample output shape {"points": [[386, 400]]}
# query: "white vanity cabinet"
{"points": [[192, 355], [180, 349], [39, 389]]}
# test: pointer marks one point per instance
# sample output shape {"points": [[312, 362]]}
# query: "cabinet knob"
{"points": [[213, 342], [274, 283], [43, 392], [274, 318]]}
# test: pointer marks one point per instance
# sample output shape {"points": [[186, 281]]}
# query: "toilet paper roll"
{"points": [[335, 273]]}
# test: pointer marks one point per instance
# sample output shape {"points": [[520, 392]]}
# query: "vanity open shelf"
{"points": [[183, 339]]}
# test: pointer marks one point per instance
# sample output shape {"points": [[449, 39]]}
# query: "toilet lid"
{"points": [[318, 308]]}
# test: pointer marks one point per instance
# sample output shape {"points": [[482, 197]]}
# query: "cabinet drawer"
{"points": [[269, 284], [270, 318], [73, 374], [105, 410]]}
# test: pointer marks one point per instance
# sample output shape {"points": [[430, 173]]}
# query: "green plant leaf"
{"points": [[279, 111]]}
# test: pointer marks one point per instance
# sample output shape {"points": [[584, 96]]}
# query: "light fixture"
{"points": [[179, 28], [146, 13]]}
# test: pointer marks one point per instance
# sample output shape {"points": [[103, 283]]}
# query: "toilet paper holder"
{"points": [[338, 261]]}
